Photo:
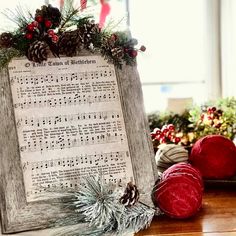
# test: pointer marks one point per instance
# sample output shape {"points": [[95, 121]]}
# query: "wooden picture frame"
{"points": [[19, 215]]}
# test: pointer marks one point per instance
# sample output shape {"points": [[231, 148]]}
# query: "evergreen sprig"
{"points": [[6, 55], [49, 28], [98, 205]]}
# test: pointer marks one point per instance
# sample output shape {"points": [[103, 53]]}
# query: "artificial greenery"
{"points": [[222, 121], [51, 31], [213, 117], [98, 204]]}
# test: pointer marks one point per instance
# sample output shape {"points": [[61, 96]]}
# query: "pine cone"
{"points": [[131, 195], [38, 51], [6, 40], [117, 52], [69, 43], [88, 32], [49, 13]]}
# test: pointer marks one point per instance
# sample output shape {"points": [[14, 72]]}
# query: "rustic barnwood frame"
{"points": [[18, 215]]}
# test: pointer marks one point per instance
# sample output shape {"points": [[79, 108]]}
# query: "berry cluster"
{"points": [[133, 52], [44, 22], [120, 49], [166, 134], [212, 117]]}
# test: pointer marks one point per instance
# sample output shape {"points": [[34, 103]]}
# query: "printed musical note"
{"points": [[69, 124], [59, 119], [68, 77]]}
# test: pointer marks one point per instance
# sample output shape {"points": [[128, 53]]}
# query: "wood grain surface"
{"points": [[217, 217]]}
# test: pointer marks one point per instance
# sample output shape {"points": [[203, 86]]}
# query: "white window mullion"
{"points": [[228, 46], [213, 49]]}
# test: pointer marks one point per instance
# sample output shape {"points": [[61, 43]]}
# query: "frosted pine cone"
{"points": [[38, 51], [88, 32]]}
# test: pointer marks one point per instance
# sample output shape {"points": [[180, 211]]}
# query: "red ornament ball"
{"points": [[214, 156], [179, 192]]}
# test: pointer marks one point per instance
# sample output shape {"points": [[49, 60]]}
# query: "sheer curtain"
{"points": [[183, 51], [228, 47], [26, 5]]}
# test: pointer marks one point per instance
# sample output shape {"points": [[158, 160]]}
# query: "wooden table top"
{"points": [[217, 217]]}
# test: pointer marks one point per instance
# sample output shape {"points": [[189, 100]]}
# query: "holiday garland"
{"points": [[51, 31], [104, 208]]}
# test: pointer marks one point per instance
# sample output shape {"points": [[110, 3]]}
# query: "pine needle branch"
{"points": [[68, 12]]}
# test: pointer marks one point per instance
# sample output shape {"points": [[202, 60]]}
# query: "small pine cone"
{"points": [[6, 40], [69, 43], [117, 52], [131, 195], [38, 51], [88, 32]]}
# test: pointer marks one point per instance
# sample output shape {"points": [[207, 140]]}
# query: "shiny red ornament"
{"points": [[179, 192], [214, 156], [47, 23]]}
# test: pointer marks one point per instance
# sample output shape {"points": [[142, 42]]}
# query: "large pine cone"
{"points": [[50, 13], [6, 40], [69, 43], [38, 51], [131, 195], [88, 33]]}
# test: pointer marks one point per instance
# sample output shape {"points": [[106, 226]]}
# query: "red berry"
{"points": [[30, 27], [142, 48], [29, 36], [47, 23], [55, 38], [133, 53], [170, 136], [213, 109], [162, 140], [171, 127], [177, 140], [165, 131], [39, 19], [51, 32], [153, 135], [209, 110], [157, 131], [35, 24], [210, 117]]}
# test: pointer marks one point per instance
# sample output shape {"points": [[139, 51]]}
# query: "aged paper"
{"points": [[69, 122]]}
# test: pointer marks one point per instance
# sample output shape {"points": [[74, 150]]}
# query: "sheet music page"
{"points": [[69, 122]]}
